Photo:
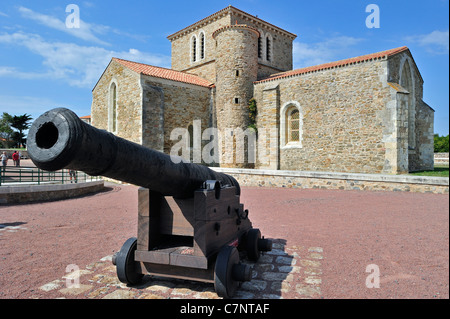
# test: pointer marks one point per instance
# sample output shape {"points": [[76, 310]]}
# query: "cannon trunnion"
{"points": [[191, 224]]}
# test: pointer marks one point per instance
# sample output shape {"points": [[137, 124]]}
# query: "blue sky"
{"points": [[44, 64]]}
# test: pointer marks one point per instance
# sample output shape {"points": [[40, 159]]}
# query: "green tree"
{"points": [[252, 113], [12, 129], [20, 123], [6, 130], [441, 143]]}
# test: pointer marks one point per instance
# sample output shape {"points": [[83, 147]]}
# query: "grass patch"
{"points": [[439, 171]]}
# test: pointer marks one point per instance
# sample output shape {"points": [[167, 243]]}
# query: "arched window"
{"points": [[291, 121], [261, 45], [406, 81], [202, 45], [191, 143], [260, 52], [194, 49], [293, 128], [269, 48], [112, 108]]}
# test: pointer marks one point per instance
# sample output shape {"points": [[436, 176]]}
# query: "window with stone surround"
{"points": [[269, 43], [202, 45], [191, 143], [194, 48], [291, 125], [260, 54], [112, 108]]}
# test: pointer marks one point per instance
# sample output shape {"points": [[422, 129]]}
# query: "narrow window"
{"points": [[112, 113], [259, 48], [191, 143], [237, 72], [236, 100], [291, 121], [194, 49], [114, 108], [202, 46], [294, 126], [191, 136], [268, 49]]}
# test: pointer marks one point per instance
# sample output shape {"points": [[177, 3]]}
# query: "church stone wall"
{"points": [[355, 118], [169, 105], [423, 158], [420, 156], [281, 53], [128, 102], [343, 113], [181, 50]]}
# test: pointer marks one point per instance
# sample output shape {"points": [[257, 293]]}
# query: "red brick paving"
{"points": [[405, 234]]}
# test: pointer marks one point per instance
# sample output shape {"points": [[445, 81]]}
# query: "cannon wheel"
{"points": [[125, 264], [251, 244], [224, 284]]}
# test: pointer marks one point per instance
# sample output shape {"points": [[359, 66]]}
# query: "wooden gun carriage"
{"points": [[191, 223]]}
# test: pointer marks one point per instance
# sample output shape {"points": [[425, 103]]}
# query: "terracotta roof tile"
{"points": [[164, 73], [340, 63]]}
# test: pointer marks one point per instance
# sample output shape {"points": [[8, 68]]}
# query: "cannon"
{"points": [[191, 224]]}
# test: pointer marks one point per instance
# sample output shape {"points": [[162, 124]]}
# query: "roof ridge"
{"points": [[164, 73], [229, 9], [151, 65], [333, 64]]}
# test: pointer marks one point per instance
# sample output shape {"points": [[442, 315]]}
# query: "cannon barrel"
{"points": [[59, 139]]}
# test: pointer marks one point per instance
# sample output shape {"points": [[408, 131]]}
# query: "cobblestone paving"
{"points": [[285, 272]]}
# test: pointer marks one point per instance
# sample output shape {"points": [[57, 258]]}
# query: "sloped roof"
{"points": [[330, 65], [228, 10], [164, 73]]}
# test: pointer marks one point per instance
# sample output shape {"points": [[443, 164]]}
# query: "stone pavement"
{"points": [[284, 273]]}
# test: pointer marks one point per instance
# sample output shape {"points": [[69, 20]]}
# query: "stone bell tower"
{"points": [[236, 70]]}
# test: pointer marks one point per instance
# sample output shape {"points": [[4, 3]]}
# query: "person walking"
{"points": [[4, 159], [15, 158]]}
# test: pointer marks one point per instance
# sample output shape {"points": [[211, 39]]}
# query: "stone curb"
{"points": [[343, 181], [31, 193]]}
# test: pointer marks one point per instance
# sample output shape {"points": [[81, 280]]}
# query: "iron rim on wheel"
{"points": [[224, 283], [125, 264]]}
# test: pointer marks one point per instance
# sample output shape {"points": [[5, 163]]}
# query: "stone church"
{"points": [[361, 115]]}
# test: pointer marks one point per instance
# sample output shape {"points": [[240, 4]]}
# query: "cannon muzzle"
{"points": [[59, 139]]}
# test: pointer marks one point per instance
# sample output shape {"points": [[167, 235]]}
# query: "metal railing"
{"points": [[13, 175]]}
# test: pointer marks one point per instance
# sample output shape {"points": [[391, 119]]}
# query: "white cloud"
{"points": [[2, 14], [77, 65], [435, 42], [332, 49], [86, 31], [7, 71]]}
